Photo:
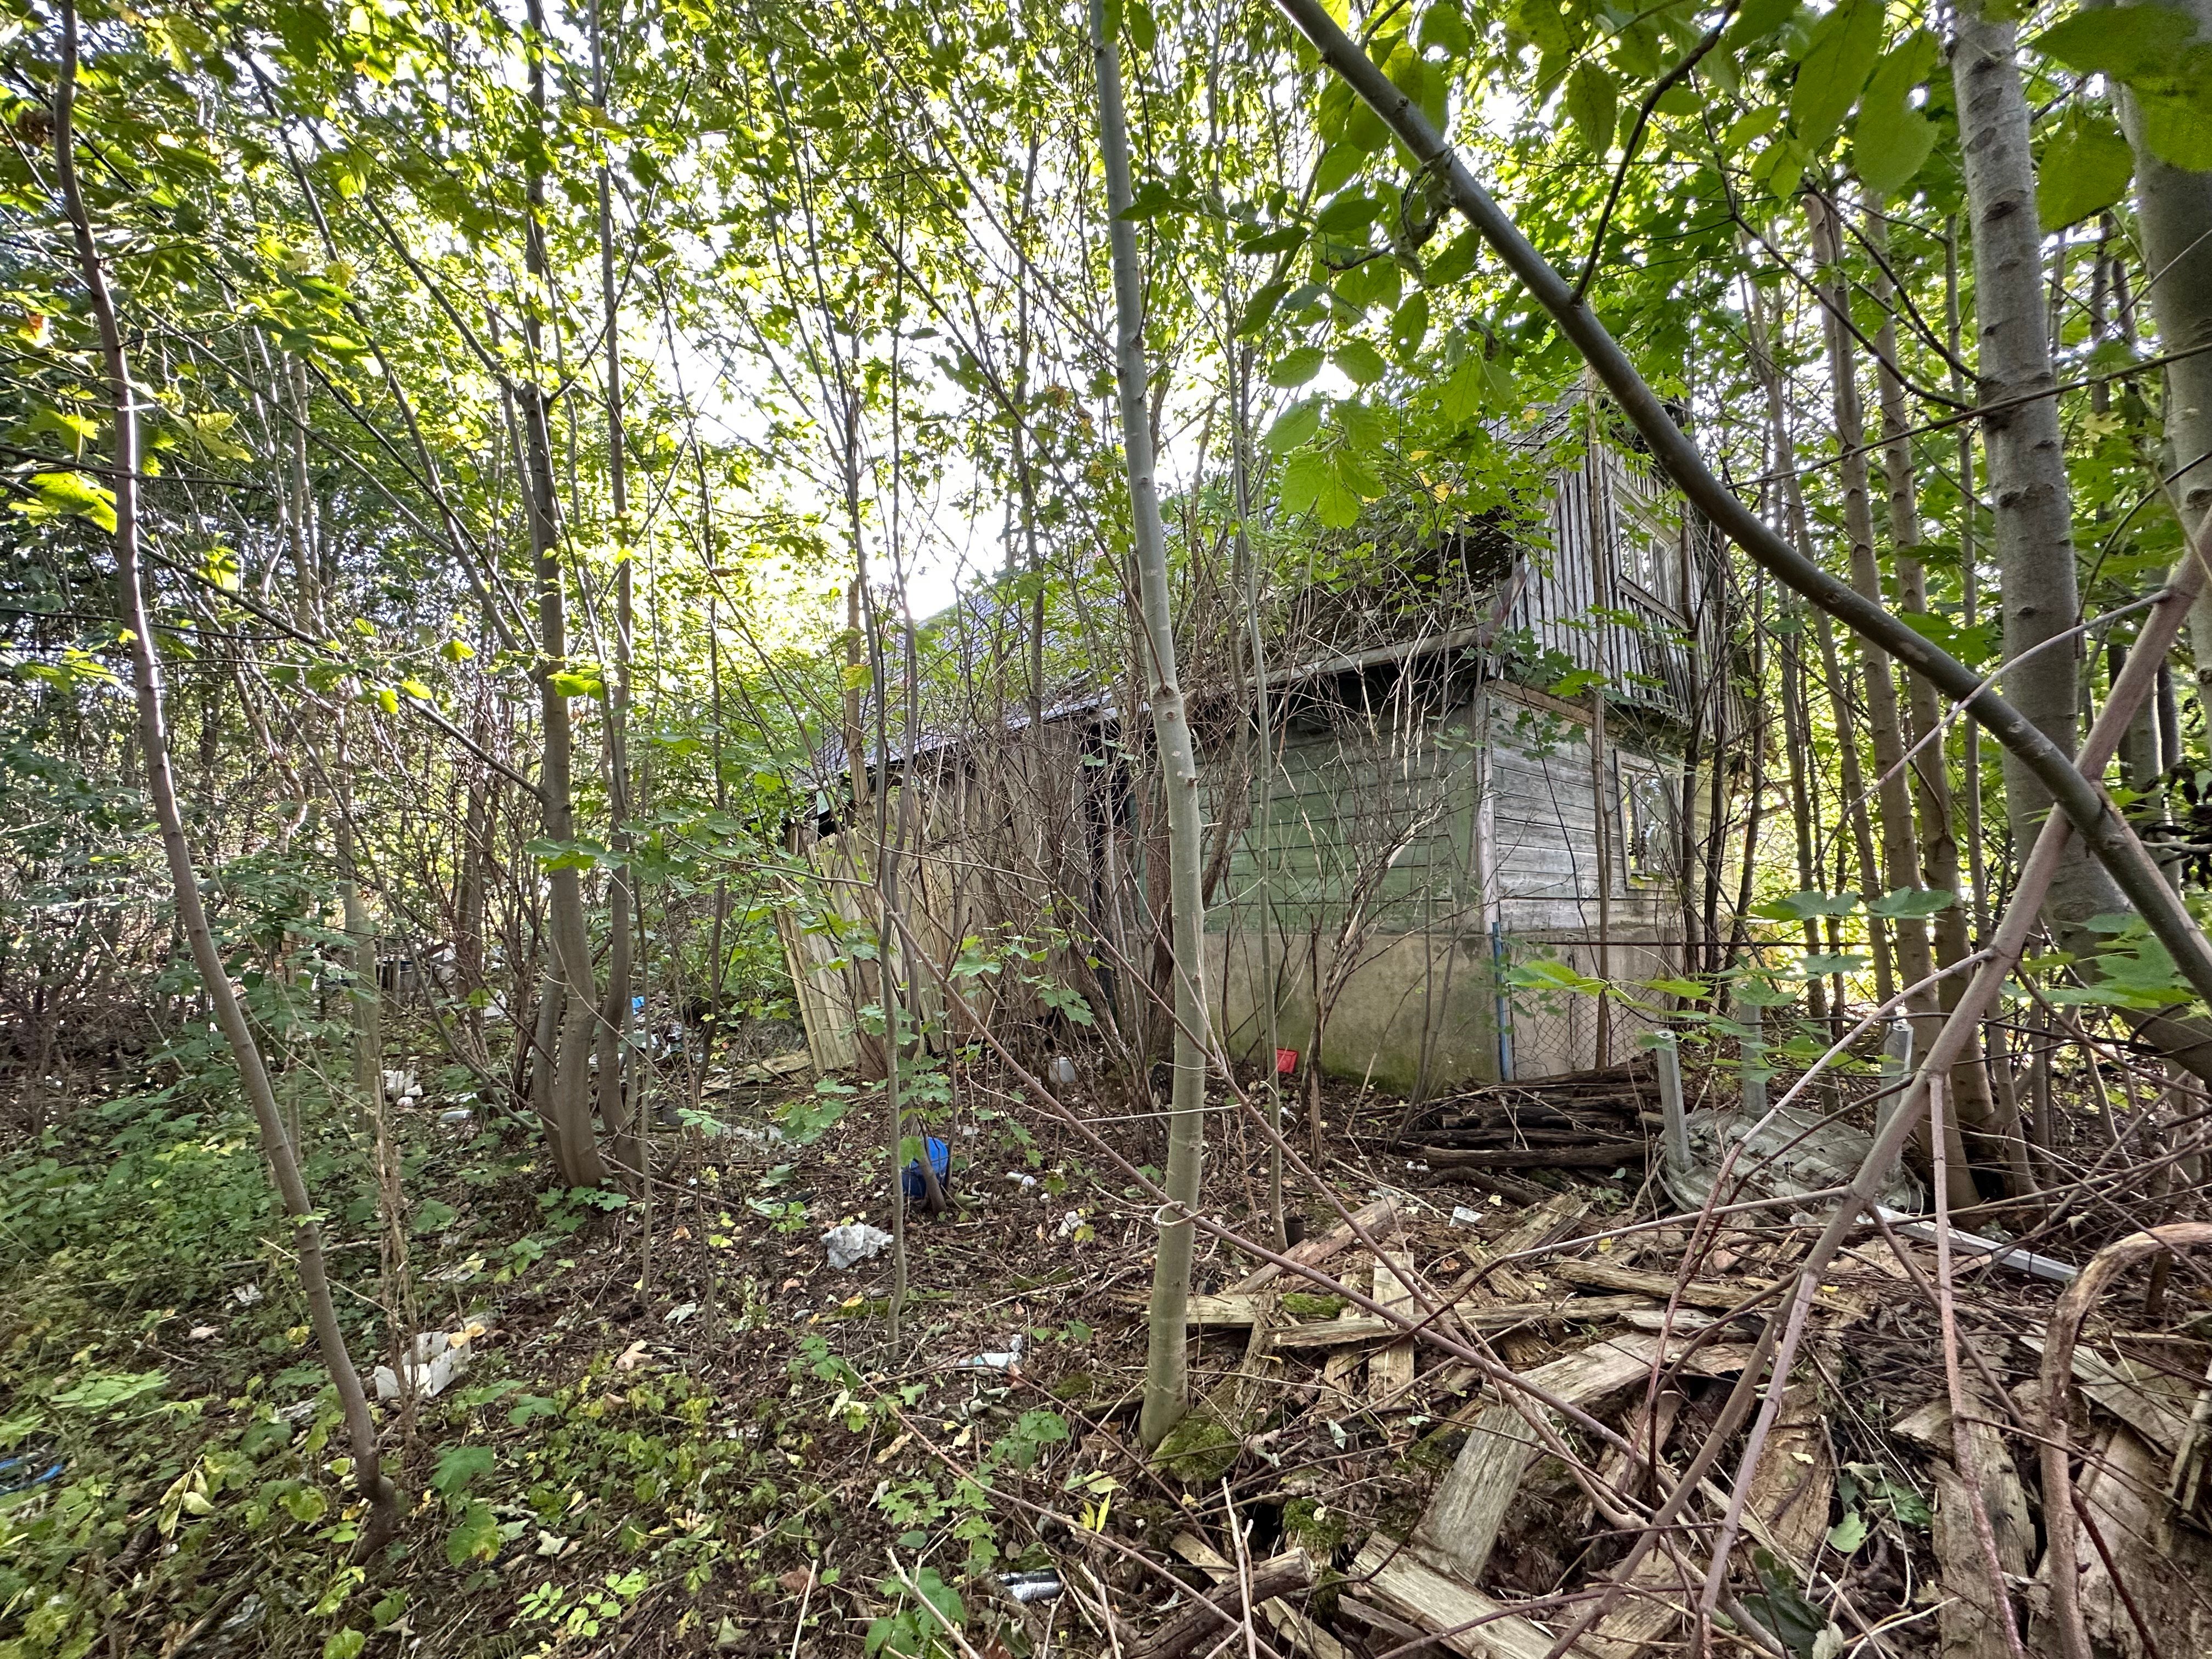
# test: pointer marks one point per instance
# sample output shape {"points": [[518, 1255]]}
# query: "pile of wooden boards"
{"points": [[1585, 1338], [1587, 1120]]}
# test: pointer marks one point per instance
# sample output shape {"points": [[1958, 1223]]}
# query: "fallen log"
{"points": [[1201, 1623], [1302, 1633]]}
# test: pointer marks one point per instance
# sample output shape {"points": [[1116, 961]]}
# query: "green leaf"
{"points": [[1297, 368], [1814, 963], [1443, 29], [1352, 472], [566, 684], [1592, 101], [1839, 55], [1144, 30], [1889, 144], [1800, 905], [2177, 112], [2084, 169], [1338, 165], [458, 1465], [1261, 307], [1304, 476], [1361, 363], [1463, 393], [1409, 324], [1337, 503], [1294, 426], [1737, 137], [457, 651], [344, 1644], [1365, 431], [305, 1505], [475, 1536], [68, 496], [1758, 20], [1848, 1534], [2128, 43], [1688, 988], [1348, 213], [1456, 260], [1911, 903]]}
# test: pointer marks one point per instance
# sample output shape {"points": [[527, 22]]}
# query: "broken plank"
{"points": [[1391, 1372], [1378, 1220], [2155, 1410], [1462, 1522], [1696, 1292], [1369, 1327], [1463, 1620], [1796, 1475]]}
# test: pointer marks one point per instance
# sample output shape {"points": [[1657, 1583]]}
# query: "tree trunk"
{"points": [[631, 1147], [1166, 1366], [568, 1098], [376, 1490], [1974, 1111], [1900, 854], [2173, 218]]}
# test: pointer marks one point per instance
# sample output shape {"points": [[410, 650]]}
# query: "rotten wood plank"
{"points": [[1391, 1372], [1696, 1292], [1378, 1220], [1601, 1156], [1797, 1472], [1461, 1526], [1463, 1620], [1369, 1327]]}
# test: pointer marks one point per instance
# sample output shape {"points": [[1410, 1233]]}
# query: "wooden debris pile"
{"points": [[1587, 1120], [1597, 1385]]}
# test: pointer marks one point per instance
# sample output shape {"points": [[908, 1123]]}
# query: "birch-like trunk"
{"points": [[223, 1001], [2173, 219], [1167, 1358]]}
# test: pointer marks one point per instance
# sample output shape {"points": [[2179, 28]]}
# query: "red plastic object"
{"points": [[1286, 1061]]}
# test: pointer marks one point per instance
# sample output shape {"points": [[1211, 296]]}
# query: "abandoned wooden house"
{"points": [[1464, 821]]}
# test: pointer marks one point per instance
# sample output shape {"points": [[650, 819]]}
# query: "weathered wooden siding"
{"points": [[1648, 661]]}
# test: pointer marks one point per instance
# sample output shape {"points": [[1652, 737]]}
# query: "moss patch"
{"points": [[1314, 1525], [1304, 1304], [1200, 1449]]}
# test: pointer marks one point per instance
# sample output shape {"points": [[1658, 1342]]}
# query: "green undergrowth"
{"points": [[182, 1461]]}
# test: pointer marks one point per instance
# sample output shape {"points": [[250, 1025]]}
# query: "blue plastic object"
{"points": [[21, 1474], [941, 1162]]}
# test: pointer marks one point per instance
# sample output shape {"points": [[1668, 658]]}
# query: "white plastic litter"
{"points": [[402, 1085], [458, 1117], [247, 1295], [439, 1358], [1070, 1223], [1027, 1587], [1060, 1073], [1464, 1217], [1004, 1360], [857, 1242]]}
